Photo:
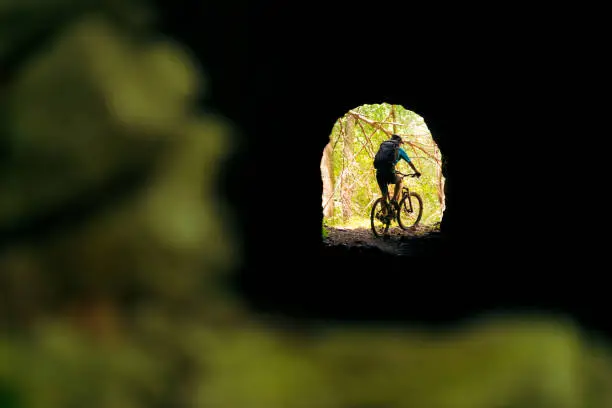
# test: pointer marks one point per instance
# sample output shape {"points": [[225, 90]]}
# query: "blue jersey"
{"points": [[402, 155]]}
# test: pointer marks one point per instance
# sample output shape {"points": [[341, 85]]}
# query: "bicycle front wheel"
{"points": [[411, 211]]}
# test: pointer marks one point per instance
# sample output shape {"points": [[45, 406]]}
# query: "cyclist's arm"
{"points": [[404, 155], [414, 169]]}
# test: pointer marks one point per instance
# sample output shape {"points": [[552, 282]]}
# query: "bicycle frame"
{"points": [[406, 194], [405, 189]]}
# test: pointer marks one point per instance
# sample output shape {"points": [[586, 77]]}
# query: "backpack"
{"points": [[387, 155]]}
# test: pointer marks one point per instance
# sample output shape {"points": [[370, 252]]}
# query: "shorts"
{"points": [[384, 178]]}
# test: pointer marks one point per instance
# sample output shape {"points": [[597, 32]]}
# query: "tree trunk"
{"points": [[327, 174], [393, 119], [439, 177], [347, 193]]}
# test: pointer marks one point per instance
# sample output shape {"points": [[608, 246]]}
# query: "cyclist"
{"points": [[389, 154]]}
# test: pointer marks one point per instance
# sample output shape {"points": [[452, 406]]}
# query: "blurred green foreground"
{"points": [[116, 300]]}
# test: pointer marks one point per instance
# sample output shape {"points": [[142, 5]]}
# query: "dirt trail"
{"points": [[399, 242]]}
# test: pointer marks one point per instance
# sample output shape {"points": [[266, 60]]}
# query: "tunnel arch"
{"points": [[348, 178]]}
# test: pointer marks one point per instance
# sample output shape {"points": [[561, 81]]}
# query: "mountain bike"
{"points": [[407, 212]]}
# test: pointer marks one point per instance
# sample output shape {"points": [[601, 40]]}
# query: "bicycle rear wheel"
{"points": [[379, 223], [411, 211]]}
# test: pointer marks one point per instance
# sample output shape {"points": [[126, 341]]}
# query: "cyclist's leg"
{"points": [[384, 189], [397, 188]]}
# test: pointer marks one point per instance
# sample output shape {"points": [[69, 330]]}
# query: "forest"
{"points": [[349, 178]]}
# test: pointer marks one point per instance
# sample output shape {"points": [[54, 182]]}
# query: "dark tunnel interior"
{"points": [[280, 83], [281, 76]]}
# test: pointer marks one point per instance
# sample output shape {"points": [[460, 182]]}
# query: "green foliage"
{"points": [[357, 173], [99, 115]]}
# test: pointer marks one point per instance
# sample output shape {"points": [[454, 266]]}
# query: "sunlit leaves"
{"points": [[359, 174]]}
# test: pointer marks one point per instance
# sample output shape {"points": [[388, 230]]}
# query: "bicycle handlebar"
{"points": [[405, 175]]}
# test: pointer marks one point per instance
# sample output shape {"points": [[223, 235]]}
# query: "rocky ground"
{"points": [[416, 241]]}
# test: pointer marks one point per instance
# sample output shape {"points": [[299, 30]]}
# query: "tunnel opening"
{"points": [[349, 183]]}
